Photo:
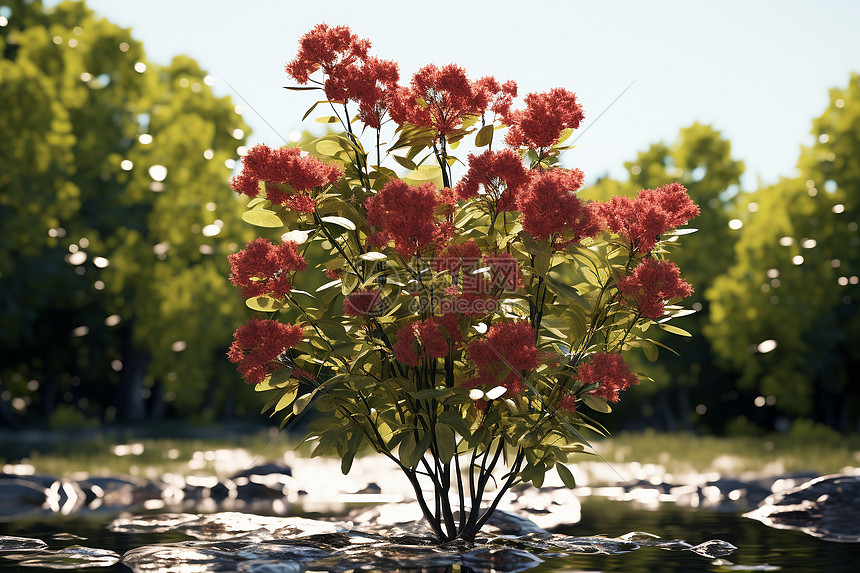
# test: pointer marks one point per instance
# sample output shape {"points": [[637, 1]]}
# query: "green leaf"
{"points": [[262, 218], [456, 422], [596, 403], [446, 443], [405, 162], [673, 329], [425, 173], [406, 451], [264, 304], [484, 136], [302, 402], [566, 477], [327, 119], [430, 393], [328, 147], [286, 399], [648, 347], [564, 290], [351, 449], [313, 107], [340, 221]]}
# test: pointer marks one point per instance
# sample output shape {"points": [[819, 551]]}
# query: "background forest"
{"points": [[116, 220]]}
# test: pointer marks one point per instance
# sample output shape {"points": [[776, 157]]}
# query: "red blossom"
{"points": [[568, 404], [437, 98], [456, 258], [652, 213], [551, 208], [362, 303], [501, 174], [329, 48], [372, 85], [497, 97], [257, 345], [610, 372], [508, 346], [280, 167], [539, 126], [262, 268], [652, 283], [504, 272], [404, 214], [421, 340]]}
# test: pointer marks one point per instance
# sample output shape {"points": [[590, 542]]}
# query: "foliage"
{"points": [[111, 241], [700, 158], [785, 314], [446, 332]]}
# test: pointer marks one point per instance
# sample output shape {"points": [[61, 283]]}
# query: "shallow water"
{"points": [[760, 548]]}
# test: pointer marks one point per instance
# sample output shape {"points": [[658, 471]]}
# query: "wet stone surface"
{"points": [[244, 542], [827, 508]]}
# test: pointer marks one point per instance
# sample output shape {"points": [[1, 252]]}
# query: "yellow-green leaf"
{"points": [[484, 136], [264, 303], [566, 477], [596, 403], [262, 218]]}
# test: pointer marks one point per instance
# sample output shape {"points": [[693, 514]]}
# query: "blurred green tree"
{"points": [[115, 296], [702, 161], [786, 313]]}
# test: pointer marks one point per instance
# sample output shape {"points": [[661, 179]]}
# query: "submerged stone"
{"points": [[499, 559], [74, 557], [714, 548], [261, 544], [10, 543]]}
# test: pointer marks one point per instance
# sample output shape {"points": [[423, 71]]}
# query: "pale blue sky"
{"points": [[759, 71]]}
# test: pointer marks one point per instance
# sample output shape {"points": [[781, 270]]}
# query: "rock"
{"points": [[74, 557], [18, 495], [504, 559], [264, 470], [10, 543], [260, 544], [825, 507]]}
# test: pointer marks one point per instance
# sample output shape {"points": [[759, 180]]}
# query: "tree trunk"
{"points": [[130, 404]]}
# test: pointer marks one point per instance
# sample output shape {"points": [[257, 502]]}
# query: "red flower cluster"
{"points": [[438, 98], [456, 258], [508, 347], [652, 283], [263, 268], [257, 345], [568, 404], [539, 126], [504, 272], [362, 303], [404, 214], [372, 85], [284, 166], [332, 49], [652, 213], [551, 208], [610, 372], [497, 97], [502, 175], [350, 73], [427, 339]]}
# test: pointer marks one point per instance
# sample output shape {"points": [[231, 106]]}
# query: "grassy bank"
{"points": [[628, 454]]}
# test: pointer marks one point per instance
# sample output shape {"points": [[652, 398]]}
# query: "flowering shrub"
{"points": [[446, 338]]}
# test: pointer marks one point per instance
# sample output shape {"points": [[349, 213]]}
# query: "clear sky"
{"points": [[758, 70]]}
